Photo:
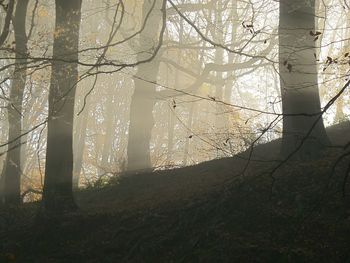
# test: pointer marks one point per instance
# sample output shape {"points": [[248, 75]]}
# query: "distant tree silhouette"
{"points": [[12, 167]]}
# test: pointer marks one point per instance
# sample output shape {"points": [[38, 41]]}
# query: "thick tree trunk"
{"points": [[141, 117], [298, 80], [12, 166], [58, 195], [143, 99]]}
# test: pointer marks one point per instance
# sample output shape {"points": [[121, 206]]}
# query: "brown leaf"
{"points": [[317, 33]]}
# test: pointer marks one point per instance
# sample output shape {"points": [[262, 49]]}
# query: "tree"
{"points": [[6, 27], [57, 194], [143, 99], [298, 79], [79, 145], [12, 168]]}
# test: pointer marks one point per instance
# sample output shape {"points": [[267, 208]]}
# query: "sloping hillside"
{"points": [[160, 187], [211, 212]]}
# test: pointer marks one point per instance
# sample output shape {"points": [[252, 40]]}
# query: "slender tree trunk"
{"points": [[58, 195], [231, 56], [143, 99], [110, 132], [171, 123], [220, 121], [5, 29], [25, 127], [192, 116], [12, 168], [231, 78], [187, 140], [298, 79], [171, 127], [339, 113], [27, 162], [79, 145]]}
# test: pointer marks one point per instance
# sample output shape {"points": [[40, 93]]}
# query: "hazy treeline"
{"points": [[90, 89]]}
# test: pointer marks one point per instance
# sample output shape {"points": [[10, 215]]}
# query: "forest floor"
{"points": [[227, 210]]}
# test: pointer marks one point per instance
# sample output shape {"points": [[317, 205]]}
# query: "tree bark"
{"points": [[58, 195], [231, 57], [12, 167], [171, 122], [143, 98], [141, 117], [6, 27], [298, 80], [220, 120], [187, 139], [110, 131], [79, 145]]}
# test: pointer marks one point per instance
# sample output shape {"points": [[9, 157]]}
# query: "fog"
{"points": [[206, 101], [92, 92]]}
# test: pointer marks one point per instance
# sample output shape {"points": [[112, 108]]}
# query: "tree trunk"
{"points": [[298, 80], [171, 122], [12, 167], [231, 56], [143, 99], [110, 131], [187, 139], [79, 145], [58, 195], [220, 120], [171, 128], [141, 117]]}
